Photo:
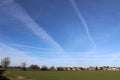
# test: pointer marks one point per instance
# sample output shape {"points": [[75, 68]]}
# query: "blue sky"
{"points": [[60, 32]]}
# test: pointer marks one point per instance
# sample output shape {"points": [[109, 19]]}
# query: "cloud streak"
{"points": [[83, 21], [14, 9], [16, 55], [31, 47], [5, 2]]}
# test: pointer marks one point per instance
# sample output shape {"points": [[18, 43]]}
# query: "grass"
{"points": [[69, 75], [10, 75]]}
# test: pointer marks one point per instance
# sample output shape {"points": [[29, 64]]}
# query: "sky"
{"points": [[60, 32]]}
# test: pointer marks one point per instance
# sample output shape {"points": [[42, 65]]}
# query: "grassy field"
{"points": [[69, 75]]}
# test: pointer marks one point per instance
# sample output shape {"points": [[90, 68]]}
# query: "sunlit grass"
{"points": [[69, 75]]}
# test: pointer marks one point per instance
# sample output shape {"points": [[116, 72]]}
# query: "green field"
{"points": [[69, 75]]}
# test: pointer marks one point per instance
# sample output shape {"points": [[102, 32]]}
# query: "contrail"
{"points": [[5, 2], [31, 47], [14, 9], [83, 21], [17, 56]]}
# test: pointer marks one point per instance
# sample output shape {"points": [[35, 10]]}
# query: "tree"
{"points": [[5, 63], [52, 68], [44, 68], [96, 68], [34, 67], [23, 66]]}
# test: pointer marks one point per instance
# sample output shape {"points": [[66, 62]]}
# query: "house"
{"points": [[92, 68], [76, 68], [113, 69]]}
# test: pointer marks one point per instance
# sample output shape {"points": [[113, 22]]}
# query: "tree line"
{"points": [[5, 64]]}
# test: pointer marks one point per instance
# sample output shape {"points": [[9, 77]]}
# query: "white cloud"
{"points": [[16, 55], [5, 2], [31, 47], [14, 9], [77, 59]]}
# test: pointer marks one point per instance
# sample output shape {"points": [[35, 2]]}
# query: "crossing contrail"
{"points": [[16, 10], [83, 21]]}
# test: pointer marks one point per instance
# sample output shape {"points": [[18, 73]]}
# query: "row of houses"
{"points": [[44, 68], [89, 68]]}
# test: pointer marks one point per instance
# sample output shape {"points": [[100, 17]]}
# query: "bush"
{"points": [[44, 68]]}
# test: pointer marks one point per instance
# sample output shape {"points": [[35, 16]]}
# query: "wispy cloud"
{"points": [[78, 59], [83, 21], [14, 9], [16, 55], [31, 47], [98, 59], [5, 2]]}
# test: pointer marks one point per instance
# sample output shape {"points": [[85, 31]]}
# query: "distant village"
{"points": [[45, 68], [5, 62], [106, 68]]}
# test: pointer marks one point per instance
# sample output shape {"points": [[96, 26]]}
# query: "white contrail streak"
{"points": [[83, 21], [17, 56], [14, 9], [26, 46], [5, 2]]}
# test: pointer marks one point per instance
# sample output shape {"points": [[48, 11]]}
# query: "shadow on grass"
{"points": [[1, 75], [3, 78]]}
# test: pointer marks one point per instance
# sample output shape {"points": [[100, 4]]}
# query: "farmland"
{"points": [[68, 75]]}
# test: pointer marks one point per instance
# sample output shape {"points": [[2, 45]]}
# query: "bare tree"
{"points": [[52, 68], [34, 67], [5, 63], [23, 66], [44, 68]]}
